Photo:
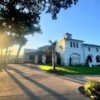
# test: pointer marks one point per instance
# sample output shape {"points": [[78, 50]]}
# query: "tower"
{"points": [[67, 36]]}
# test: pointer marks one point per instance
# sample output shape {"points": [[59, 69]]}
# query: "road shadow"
{"points": [[82, 79], [12, 97], [23, 87], [77, 79], [73, 78], [50, 91], [31, 66]]}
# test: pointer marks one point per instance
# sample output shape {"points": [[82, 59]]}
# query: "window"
{"points": [[71, 44], [74, 44], [97, 49], [89, 49], [77, 45]]}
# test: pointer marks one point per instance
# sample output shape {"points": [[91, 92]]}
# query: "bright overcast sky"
{"points": [[82, 21]]}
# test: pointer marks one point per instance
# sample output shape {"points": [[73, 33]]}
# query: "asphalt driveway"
{"points": [[26, 82]]}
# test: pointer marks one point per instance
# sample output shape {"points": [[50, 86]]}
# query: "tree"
{"points": [[53, 46], [23, 16], [5, 42], [21, 42]]}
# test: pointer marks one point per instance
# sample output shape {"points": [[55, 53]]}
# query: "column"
{"points": [[43, 59], [36, 59]]}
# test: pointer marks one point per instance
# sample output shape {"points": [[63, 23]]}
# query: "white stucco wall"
{"points": [[36, 59], [78, 54], [82, 51], [93, 53], [43, 59], [70, 51], [60, 48]]}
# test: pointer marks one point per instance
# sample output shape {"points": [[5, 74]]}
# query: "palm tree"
{"points": [[53, 46]]}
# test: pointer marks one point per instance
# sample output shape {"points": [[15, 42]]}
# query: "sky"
{"points": [[81, 20]]}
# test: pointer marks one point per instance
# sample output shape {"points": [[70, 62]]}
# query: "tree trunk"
{"points": [[53, 60], [6, 51], [18, 52], [6, 55], [1, 57]]}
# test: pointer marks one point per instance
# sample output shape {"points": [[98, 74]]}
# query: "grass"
{"points": [[75, 70]]}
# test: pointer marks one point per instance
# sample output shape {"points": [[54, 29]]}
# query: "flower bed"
{"points": [[91, 89]]}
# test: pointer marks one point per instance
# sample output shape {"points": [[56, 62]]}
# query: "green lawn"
{"points": [[63, 70]]}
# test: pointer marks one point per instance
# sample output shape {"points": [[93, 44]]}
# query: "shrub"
{"points": [[91, 87]]}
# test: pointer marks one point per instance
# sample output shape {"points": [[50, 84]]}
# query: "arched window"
{"points": [[97, 58]]}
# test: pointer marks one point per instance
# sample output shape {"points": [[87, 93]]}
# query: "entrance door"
{"points": [[75, 59], [88, 60]]}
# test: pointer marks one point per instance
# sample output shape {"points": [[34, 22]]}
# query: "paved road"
{"points": [[25, 82]]}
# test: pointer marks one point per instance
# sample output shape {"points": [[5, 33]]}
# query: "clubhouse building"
{"points": [[69, 51]]}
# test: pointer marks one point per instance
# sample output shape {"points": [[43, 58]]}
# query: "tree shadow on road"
{"points": [[24, 88], [31, 66], [12, 97], [50, 91], [74, 78]]}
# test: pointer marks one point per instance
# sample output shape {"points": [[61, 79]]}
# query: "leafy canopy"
{"points": [[21, 17]]}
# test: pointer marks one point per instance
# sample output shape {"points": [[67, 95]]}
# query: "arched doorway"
{"points": [[89, 59], [58, 59], [40, 59], [31, 58], [74, 59], [98, 58]]}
